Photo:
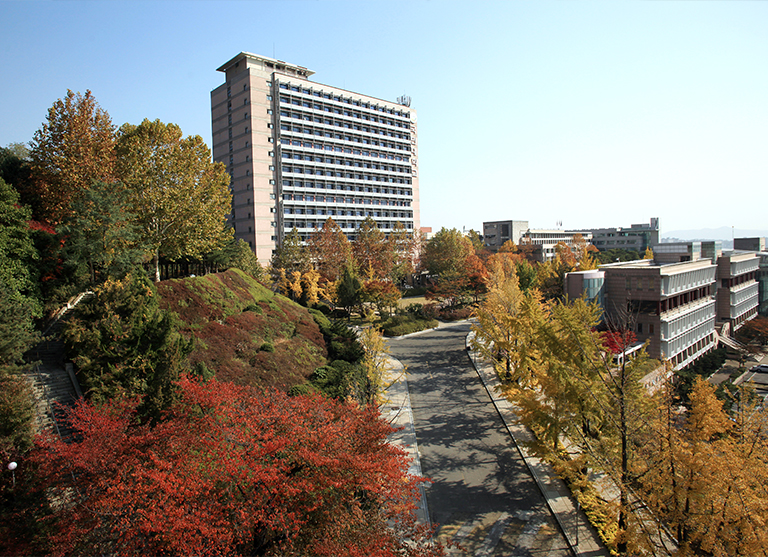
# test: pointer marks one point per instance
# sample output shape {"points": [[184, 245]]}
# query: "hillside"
{"points": [[244, 332]]}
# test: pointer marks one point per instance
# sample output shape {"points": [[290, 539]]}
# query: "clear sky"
{"points": [[589, 113]]}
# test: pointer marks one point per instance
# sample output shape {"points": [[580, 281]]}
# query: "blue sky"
{"points": [[589, 113]]}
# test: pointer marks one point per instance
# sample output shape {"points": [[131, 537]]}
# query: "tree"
{"points": [[383, 294], [16, 408], [236, 254], [506, 324], [180, 198], [18, 255], [373, 255], [447, 255], [477, 276], [402, 244], [348, 289], [648, 253], [607, 400], [124, 345], [101, 233], [291, 255], [235, 472], [75, 147], [375, 362], [330, 250]]}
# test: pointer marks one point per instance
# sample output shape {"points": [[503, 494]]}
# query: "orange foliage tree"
{"points": [[330, 250], [231, 471], [73, 148]]}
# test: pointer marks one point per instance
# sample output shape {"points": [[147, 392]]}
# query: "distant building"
{"points": [[737, 289], [497, 233], [299, 152], [546, 241], [637, 237], [678, 300], [762, 282], [749, 244]]}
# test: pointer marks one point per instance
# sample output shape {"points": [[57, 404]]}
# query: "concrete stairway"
{"points": [[53, 381]]}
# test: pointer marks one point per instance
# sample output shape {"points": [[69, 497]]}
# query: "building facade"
{"points": [[299, 152], [497, 233], [671, 306], [681, 301], [637, 237], [749, 244], [737, 289]]}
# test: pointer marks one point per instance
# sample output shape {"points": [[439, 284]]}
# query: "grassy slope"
{"points": [[236, 320]]}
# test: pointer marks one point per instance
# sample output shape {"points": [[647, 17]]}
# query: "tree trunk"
{"points": [[156, 263]]}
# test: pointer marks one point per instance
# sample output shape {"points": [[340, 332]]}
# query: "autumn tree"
{"points": [[608, 402], [446, 256], [73, 148], [477, 276], [235, 472], [330, 250], [290, 255], [374, 363], [506, 324], [383, 294], [373, 254], [705, 470], [180, 198], [402, 245]]}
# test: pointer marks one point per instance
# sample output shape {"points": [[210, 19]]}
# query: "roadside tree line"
{"points": [[689, 470]]}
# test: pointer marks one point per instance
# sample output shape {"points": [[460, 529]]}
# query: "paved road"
{"points": [[481, 493]]}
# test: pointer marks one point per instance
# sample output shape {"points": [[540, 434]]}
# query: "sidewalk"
{"points": [[397, 411], [579, 533]]}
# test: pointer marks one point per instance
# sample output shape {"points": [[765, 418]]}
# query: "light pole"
{"points": [[12, 467]]}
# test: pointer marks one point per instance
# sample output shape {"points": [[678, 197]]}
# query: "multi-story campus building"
{"points": [[680, 302], [299, 152], [737, 289], [637, 237]]}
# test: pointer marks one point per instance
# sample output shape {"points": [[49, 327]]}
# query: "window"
{"points": [[269, 97]]}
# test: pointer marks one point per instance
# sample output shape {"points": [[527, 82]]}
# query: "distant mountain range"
{"points": [[724, 233]]}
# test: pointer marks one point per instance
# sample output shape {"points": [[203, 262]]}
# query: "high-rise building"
{"points": [[299, 152]]}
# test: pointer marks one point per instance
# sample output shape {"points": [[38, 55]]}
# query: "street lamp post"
{"points": [[12, 467]]}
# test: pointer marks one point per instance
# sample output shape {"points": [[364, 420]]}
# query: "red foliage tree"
{"points": [[231, 471], [618, 341]]}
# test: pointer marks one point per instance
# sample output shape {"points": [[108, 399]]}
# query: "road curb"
{"points": [[397, 411], [581, 536]]}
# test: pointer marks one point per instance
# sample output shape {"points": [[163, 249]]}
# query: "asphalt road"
{"points": [[481, 493]]}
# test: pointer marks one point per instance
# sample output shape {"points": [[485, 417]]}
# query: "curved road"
{"points": [[481, 494]]}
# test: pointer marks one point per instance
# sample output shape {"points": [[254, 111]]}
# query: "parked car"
{"points": [[762, 368]]}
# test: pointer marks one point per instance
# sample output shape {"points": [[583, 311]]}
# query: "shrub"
{"points": [[430, 311], [255, 308], [406, 324], [267, 347], [456, 314]]}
